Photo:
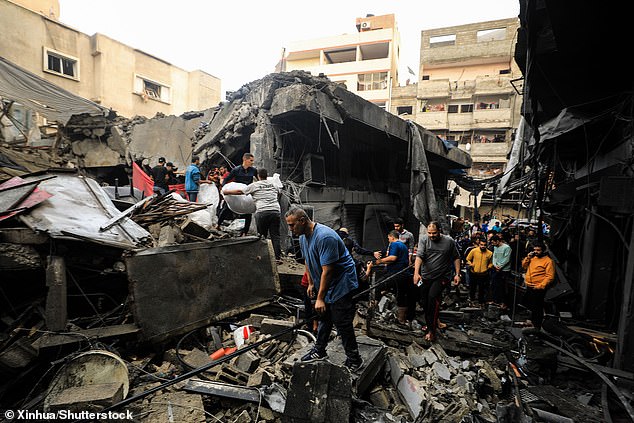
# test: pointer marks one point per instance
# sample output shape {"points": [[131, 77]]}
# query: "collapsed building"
{"points": [[349, 162]]}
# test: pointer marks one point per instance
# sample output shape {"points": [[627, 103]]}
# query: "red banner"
{"points": [[142, 181]]}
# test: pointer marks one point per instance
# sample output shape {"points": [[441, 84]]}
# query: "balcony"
{"points": [[432, 120], [437, 88], [492, 85], [492, 118], [488, 152]]}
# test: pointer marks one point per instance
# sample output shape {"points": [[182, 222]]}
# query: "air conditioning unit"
{"points": [[366, 25]]}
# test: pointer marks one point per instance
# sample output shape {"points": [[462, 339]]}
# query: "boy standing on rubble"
{"points": [[331, 273]]}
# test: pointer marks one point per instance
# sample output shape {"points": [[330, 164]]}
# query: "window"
{"points": [[505, 71], [466, 108], [425, 78], [497, 34], [404, 110], [452, 108], [442, 41], [372, 81], [60, 64], [153, 90]]}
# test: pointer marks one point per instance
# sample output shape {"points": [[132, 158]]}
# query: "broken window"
{"points": [[149, 89], [442, 41], [404, 110], [372, 81], [58, 63]]}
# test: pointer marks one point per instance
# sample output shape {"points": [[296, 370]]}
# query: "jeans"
{"points": [[159, 190], [341, 314], [192, 195], [269, 223]]}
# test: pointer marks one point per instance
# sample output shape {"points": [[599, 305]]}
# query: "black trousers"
{"points": [[340, 314], [534, 301], [268, 223], [225, 213], [431, 296], [407, 294], [479, 283]]}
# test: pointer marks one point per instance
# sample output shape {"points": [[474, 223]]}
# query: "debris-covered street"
{"points": [[292, 255]]}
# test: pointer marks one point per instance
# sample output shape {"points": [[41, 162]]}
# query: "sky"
{"points": [[241, 41]]}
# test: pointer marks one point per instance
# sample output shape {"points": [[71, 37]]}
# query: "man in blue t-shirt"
{"points": [[396, 260], [332, 276]]}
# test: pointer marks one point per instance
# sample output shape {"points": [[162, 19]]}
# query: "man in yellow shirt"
{"points": [[540, 273], [479, 262]]}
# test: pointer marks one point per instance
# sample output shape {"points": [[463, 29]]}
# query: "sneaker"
{"points": [[313, 355], [353, 365]]}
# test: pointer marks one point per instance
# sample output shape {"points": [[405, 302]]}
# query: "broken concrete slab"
{"points": [[318, 392], [199, 283], [372, 351], [173, 407], [92, 397]]}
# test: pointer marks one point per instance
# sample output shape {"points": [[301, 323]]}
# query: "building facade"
{"points": [[466, 91], [98, 68], [366, 62]]}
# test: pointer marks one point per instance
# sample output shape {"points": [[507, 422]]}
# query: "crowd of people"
{"points": [[418, 275], [495, 254]]}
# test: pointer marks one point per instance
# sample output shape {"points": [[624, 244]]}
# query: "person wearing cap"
{"points": [[171, 173], [160, 177]]}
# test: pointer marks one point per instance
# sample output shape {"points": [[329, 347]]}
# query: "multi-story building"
{"points": [[466, 91], [98, 68], [366, 62]]}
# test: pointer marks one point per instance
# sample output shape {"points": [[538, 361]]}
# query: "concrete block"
{"points": [[260, 378], [380, 399], [197, 358], [248, 361], [87, 397], [273, 326], [318, 392], [441, 371]]}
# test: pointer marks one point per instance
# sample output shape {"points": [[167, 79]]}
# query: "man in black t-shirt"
{"points": [[243, 174], [160, 176]]}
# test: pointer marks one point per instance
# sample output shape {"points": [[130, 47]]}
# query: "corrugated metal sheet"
{"points": [[78, 209], [46, 98]]}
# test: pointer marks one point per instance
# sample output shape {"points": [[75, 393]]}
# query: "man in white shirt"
{"points": [[267, 208]]}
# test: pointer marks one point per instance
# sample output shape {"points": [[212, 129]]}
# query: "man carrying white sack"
{"points": [[267, 208], [243, 174]]}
